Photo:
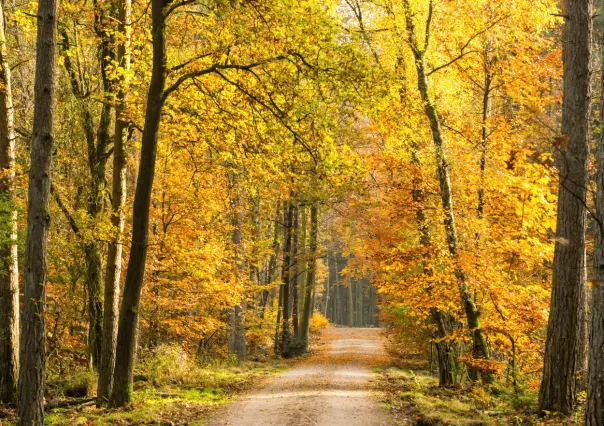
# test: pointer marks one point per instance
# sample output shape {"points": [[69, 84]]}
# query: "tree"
{"points": [[565, 348], [310, 277], [479, 345], [32, 349], [237, 345], [113, 270], [125, 348], [9, 278], [285, 338], [98, 142], [594, 410]]}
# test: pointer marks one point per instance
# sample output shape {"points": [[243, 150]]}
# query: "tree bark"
{"points": [[350, 300], [484, 132], [326, 311], [564, 345], [310, 277], [277, 345], [371, 318], [113, 269], [9, 278], [295, 271], [272, 264], [32, 350], [301, 266], [95, 303], [594, 410], [360, 297], [281, 286], [236, 317], [447, 350], [125, 349], [337, 306], [286, 278]]}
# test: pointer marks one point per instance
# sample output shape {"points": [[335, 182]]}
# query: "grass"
{"points": [[179, 400], [170, 389], [414, 398], [182, 406]]}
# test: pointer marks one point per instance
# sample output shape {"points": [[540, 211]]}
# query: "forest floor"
{"points": [[414, 398], [352, 376], [170, 389], [333, 386]]}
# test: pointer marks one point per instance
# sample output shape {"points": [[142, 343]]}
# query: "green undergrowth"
{"points": [[415, 399], [152, 405], [169, 389]]}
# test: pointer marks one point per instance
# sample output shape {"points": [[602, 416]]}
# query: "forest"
{"points": [[301, 212]]}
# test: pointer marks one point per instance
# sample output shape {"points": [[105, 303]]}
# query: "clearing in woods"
{"points": [[331, 387]]}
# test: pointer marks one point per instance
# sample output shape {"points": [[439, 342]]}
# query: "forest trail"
{"points": [[331, 387]]}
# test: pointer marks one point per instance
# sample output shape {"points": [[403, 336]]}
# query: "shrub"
{"points": [[318, 322], [167, 364]]}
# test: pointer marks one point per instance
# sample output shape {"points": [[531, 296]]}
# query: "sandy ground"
{"points": [[331, 387]]}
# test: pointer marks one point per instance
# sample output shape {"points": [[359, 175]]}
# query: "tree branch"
{"points": [[215, 68], [68, 216], [277, 114], [428, 25], [462, 51]]}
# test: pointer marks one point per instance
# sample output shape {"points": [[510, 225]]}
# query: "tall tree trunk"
{"points": [[360, 296], [113, 269], [337, 307], [286, 279], [295, 271], [236, 317], [277, 345], [371, 318], [484, 131], [125, 349], [565, 344], [32, 350], [97, 159], [350, 299], [326, 311], [310, 277], [257, 261], [447, 350], [95, 303], [301, 265], [281, 286], [479, 345], [594, 410], [9, 278], [272, 264], [313, 299]]}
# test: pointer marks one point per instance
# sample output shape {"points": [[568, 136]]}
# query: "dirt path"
{"points": [[331, 387]]}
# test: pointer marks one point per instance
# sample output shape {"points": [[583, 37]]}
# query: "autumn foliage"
{"points": [[415, 142]]}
